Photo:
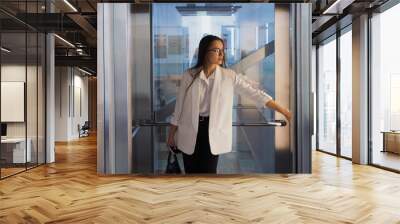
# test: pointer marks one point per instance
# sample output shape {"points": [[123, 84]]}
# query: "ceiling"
{"points": [[329, 16], [75, 22]]}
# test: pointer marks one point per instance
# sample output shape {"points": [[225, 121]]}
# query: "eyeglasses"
{"points": [[217, 51]]}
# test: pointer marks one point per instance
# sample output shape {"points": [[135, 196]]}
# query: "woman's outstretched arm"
{"points": [[275, 106], [259, 96]]}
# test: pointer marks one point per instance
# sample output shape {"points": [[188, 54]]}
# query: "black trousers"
{"points": [[202, 160]]}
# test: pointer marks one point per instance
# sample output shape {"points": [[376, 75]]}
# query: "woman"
{"points": [[201, 125]]}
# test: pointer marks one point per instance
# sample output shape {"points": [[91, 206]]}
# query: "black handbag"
{"points": [[173, 164]]}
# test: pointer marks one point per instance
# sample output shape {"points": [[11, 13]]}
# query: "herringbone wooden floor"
{"points": [[70, 191]]}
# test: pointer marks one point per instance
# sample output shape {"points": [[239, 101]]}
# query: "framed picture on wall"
{"points": [[12, 101], [160, 46], [175, 44]]}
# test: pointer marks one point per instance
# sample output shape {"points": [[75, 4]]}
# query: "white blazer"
{"points": [[186, 114]]}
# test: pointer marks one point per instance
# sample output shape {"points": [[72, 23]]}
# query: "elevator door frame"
{"points": [[300, 45]]}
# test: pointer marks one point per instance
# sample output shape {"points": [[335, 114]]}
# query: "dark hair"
{"points": [[204, 44]]}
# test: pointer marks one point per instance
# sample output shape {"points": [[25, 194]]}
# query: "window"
{"points": [[327, 96], [346, 93], [22, 77], [385, 89]]}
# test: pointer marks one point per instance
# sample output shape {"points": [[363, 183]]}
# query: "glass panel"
{"points": [[327, 96], [13, 87], [244, 29], [23, 88], [385, 84], [175, 43], [31, 98], [346, 94], [251, 151], [41, 98]]}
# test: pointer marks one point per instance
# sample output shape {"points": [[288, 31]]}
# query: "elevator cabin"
{"points": [[143, 50]]}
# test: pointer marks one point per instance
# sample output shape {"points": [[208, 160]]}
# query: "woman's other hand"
{"points": [[171, 137]]}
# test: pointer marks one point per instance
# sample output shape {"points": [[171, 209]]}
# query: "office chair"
{"points": [[84, 130]]}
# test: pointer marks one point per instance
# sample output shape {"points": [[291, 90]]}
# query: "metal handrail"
{"points": [[274, 123]]}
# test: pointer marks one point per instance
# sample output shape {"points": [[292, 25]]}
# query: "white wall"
{"points": [[61, 103], [33, 126], [79, 117], [17, 73], [70, 83], [14, 73]]}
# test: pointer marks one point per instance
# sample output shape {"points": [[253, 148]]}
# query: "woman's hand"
{"points": [[275, 106], [171, 137], [171, 141], [287, 114]]}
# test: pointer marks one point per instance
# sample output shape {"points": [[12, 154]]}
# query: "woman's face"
{"points": [[215, 53]]}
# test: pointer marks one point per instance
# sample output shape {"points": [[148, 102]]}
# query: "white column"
{"points": [[50, 98], [114, 127], [360, 90]]}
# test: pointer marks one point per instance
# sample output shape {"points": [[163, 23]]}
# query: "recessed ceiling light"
{"points": [[84, 71], [64, 40], [5, 50], [337, 7], [70, 5]]}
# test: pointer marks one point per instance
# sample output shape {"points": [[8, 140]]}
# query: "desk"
{"points": [[391, 141], [15, 148]]}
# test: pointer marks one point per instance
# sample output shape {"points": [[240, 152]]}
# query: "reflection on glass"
{"points": [[31, 100], [14, 153], [327, 97], [249, 152], [244, 29], [41, 98], [22, 91], [346, 94], [385, 84], [175, 42]]}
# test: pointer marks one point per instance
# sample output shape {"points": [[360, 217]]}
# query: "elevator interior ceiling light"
{"points": [[65, 41], [5, 50], [213, 9], [70, 5]]}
